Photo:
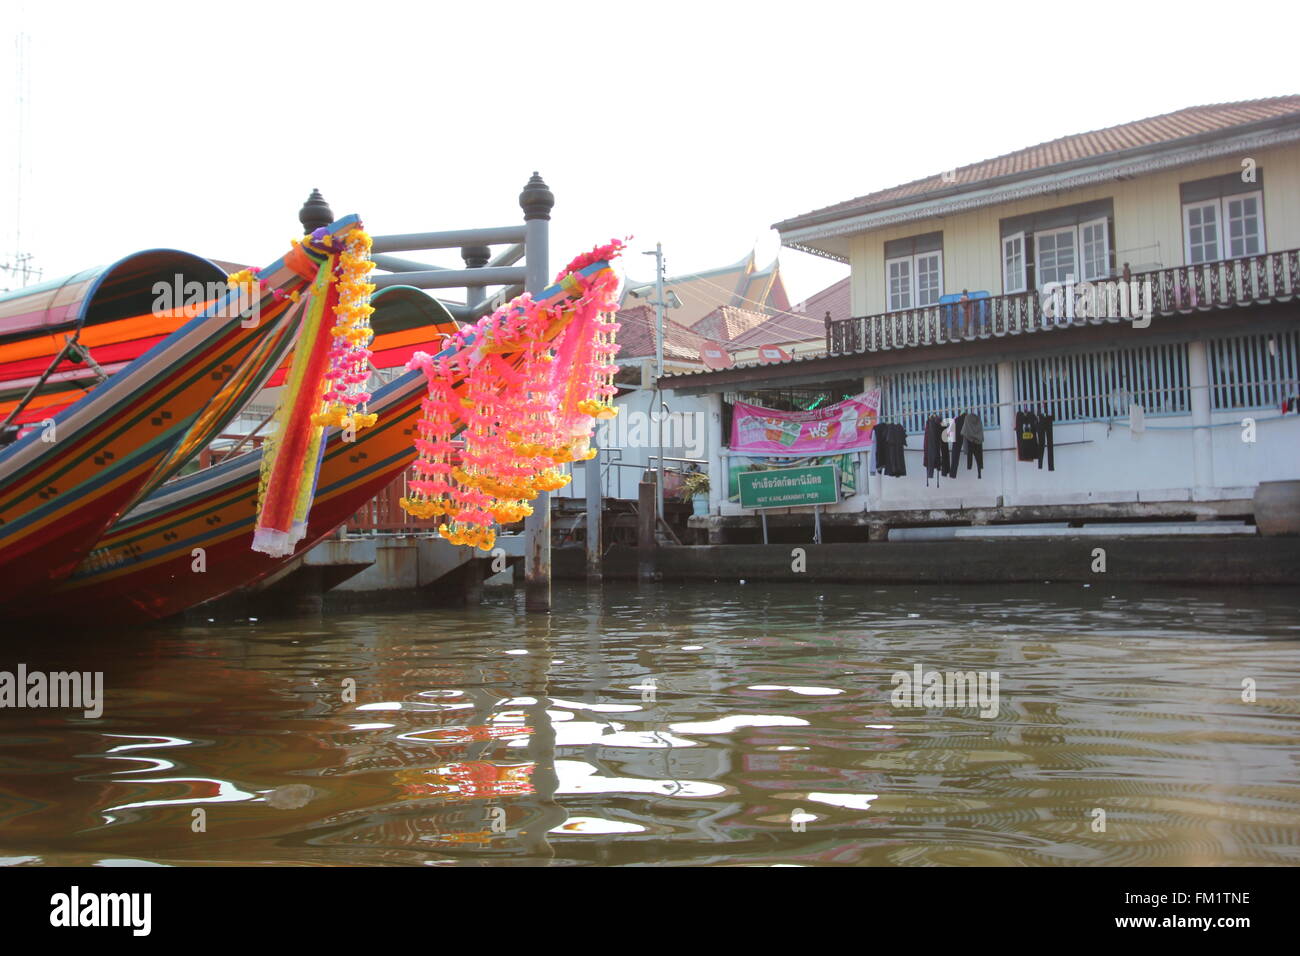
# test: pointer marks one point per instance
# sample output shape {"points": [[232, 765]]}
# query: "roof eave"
{"points": [[797, 232]]}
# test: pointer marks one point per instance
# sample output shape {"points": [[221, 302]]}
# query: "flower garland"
{"points": [[533, 377], [345, 397]]}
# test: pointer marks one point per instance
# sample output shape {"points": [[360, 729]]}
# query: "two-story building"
{"points": [[1136, 286]]}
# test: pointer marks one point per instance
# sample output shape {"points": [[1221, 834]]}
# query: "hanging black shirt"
{"points": [[1034, 438], [1026, 440], [890, 441]]}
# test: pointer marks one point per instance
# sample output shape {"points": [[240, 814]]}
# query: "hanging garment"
{"points": [[879, 438], [1043, 437], [935, 452], [900, 459], [890, 440], [972, 434], [1034, 438], [954, 461], [1026, 436]]}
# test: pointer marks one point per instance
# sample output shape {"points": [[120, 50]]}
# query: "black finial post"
{"points": [[476, 257], [536, 200], [315, 212]]}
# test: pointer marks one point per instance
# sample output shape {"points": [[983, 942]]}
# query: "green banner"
{"points": [[845, 466], [788, 487]]}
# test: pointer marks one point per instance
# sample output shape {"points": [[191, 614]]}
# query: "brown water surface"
{"points": [[676, 725]]}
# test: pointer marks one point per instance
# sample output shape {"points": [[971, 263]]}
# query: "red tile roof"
{"points": [[636, 336], [727, 322], [1165, 130], [742, 284], [783, 330], [834, 299]]}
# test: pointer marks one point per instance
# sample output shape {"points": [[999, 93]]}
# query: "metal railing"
{"points": [[619, 479], [383, 514], [1249, 280]]}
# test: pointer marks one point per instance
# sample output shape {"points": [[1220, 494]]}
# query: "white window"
{"points": [[1201, 222], [929, 279], [1013, 263], [1054, 256], [914, 282], [1224, 228], [898, 273], [1245, 220], [1095, 241], [1060, 255]]}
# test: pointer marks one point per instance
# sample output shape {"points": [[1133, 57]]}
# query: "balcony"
{"points": [[1178, 290]]}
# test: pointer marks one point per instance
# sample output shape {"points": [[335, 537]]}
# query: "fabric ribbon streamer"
{"points": [[324, 387]]}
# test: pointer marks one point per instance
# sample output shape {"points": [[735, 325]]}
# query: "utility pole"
{"points": [[537, 201], [659, 305]]}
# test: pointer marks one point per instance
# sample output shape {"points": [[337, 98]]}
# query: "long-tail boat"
{"points": [[64, 483], [146, 567], [112, 316]]}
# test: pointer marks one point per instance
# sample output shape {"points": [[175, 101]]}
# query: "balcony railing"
{"points": [[1251, 280]]}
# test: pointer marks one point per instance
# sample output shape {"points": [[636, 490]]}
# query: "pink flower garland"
{"points": [[527, 404]]}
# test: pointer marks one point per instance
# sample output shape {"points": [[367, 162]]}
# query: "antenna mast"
{"points": [[21, 266]]}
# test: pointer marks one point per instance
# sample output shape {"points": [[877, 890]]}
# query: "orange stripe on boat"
{"points": [[144, 326]]}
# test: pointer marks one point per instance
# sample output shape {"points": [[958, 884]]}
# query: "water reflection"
{"points": [[676, 725]]}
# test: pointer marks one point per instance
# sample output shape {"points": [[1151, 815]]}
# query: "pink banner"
{"points": [[844, 426]]}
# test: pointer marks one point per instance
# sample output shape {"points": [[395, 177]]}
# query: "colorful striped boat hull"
{"points": [[145, 568], [128, 435]]}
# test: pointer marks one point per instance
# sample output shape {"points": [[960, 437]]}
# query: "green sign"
{"points": [[788, 487]]}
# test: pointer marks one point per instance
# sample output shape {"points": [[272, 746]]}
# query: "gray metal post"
{"points": [[659, 365], [594, 505], [476, 257], [659, 500], [537, 201]]}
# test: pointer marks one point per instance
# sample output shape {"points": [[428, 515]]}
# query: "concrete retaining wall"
{"points": [[1182, 560]]}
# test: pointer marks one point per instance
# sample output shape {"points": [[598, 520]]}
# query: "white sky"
{"points": [[698, 124]]}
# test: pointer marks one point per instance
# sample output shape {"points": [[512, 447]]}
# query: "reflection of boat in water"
{"points": [[64, 482], [144, 568]]}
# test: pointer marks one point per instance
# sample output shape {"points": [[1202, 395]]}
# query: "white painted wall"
{"points": [[1094, 463], [631, 440]]}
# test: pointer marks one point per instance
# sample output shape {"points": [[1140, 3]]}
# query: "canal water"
{"points": [[744, 724]]}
